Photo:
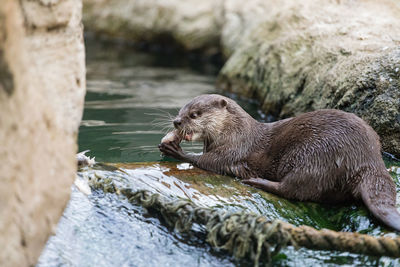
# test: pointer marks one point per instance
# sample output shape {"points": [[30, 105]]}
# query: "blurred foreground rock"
{"points": [[42, 87], [293, 56]]}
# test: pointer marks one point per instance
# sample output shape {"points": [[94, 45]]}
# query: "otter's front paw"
{"points": [[171, 149]]}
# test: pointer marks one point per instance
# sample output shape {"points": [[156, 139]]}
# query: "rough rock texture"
{"points": [[310, 56], [42, 87], [293, 56], [192, 24]]}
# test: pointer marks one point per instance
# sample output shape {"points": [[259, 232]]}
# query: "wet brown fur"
{"points": [[323, 156]]}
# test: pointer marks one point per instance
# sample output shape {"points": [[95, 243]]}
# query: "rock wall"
{"points": [[306, 56], [293, 56], [42, 87], [192, 24]]}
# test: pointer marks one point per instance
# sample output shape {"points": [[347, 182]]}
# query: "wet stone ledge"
{"points": [[180, 195]]}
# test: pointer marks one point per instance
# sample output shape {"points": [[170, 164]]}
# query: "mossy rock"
{"points": [[329, 57]]}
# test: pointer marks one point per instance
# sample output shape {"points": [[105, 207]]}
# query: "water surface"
{"points": [[129, 94]]}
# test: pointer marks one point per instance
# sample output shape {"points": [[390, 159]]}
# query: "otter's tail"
{"points": [[379, 195]]}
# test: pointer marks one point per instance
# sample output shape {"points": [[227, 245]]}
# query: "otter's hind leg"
{"points": [[294, 186], [266, 185]]}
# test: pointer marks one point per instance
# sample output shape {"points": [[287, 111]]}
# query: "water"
{"points": [[103, 231], [128, 92], [106, 230]]}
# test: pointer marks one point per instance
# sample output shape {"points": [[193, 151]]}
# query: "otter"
{"points": [[326, 156]]}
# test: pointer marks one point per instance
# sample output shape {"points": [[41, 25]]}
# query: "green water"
{"points": [[128, 93]]}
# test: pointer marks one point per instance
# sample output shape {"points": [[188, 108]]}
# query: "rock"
{"points": [[191, 24], [309, 56], [42, 88]]}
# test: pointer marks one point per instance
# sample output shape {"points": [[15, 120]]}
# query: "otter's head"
{"points": [[203, 117]]}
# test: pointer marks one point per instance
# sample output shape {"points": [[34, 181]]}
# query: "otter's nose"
{"points": [[177, 123]]}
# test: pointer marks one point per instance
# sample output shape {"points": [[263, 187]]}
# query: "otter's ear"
{"points": [[222, 103]]}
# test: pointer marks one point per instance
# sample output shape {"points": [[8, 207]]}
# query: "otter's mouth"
{"points": [[192, 136], [188, 136]]}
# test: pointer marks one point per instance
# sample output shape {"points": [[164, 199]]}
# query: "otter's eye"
{"points": [[194, 115]]}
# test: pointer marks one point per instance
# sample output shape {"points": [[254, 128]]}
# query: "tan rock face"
{"points": [[192, 24], [307, 55], [42, 87]]}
